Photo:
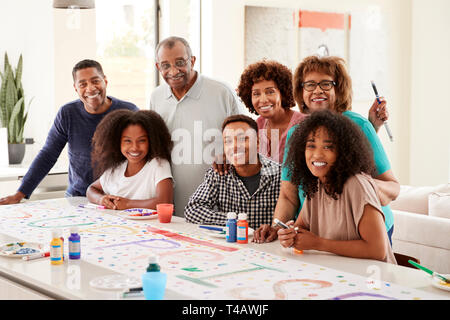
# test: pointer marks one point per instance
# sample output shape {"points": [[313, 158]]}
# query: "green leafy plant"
{"points": [[12, 101]]}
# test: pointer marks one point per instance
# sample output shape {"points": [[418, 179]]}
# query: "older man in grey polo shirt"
{"points": [[193, 107]]}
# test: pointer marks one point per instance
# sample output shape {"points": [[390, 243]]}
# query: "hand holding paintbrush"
{"points": [[385, 123], [434, 274]]}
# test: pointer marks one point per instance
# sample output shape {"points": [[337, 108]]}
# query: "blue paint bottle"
{"points": [[154, 281], [231, 227], [74, 244]]}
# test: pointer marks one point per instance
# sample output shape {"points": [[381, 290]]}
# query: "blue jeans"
{"points": [[390, 232]]}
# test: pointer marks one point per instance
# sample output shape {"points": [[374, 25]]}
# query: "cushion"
{"points": [[415, 199], [439, 205]]}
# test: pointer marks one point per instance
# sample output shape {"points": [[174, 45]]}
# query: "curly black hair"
{"points": [[106, 153], [267, 70], [354, 154]]}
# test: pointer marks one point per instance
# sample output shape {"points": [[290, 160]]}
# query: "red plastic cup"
{"points": [[165, 211]]}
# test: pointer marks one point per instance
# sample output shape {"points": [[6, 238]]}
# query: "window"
{"points": [[125, 33]]}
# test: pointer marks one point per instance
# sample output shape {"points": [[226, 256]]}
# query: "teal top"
{"points": [[381, 160]]}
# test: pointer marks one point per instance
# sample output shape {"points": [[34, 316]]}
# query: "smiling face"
{"points": [[320, 153], [91, 88], [240, 144], [181, 70], [134, 145], [266, 98], [319, 99]]}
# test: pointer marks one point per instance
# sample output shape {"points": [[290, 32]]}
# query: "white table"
{"points": [[53, 185], [38, 279]]}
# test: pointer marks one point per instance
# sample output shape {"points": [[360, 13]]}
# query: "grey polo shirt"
{"points": [[195, 124]]}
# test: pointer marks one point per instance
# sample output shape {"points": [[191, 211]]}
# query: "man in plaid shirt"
{"points": [[252, 185]]}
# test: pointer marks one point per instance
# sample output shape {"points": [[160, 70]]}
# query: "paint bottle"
{"points": [[231, 227], [56, 248], [154, 281], [242, 228], [74, 244]]}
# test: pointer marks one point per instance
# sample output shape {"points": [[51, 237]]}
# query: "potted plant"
{"points": [[12, 109]]}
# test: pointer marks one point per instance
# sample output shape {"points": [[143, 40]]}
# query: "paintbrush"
{"points": [[386, 126], [441, 277]]}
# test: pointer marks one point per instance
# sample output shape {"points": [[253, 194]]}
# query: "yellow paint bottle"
{"points": [[56, 248]]}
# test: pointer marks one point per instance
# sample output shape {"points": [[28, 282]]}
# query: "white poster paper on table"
{"points": [[4, 158]]}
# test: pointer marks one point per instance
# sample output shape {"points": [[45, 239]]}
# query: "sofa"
{"points": [[422, 225]]}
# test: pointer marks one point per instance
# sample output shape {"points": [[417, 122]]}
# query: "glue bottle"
{"points": [[231, 227], [56, 248], [74, 244], [242, 228], [154, 281]]}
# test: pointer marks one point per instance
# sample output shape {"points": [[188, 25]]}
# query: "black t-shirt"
{"points": [[251, 183]]}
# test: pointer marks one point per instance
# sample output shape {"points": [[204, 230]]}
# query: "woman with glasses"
{"points": [[324, 83], [265, 88]]}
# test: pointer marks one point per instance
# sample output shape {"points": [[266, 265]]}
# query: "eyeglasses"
{"points": [[324, 85], [179, 63]]}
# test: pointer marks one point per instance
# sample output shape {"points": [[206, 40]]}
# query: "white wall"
{"points": [[223, 57], [26, 27], [223, 40], [74, 40], [418, 63], [181, 18], [430, 84], [51, 42], [174, 18]]}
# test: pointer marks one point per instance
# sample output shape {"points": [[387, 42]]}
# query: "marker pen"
{"points": [[133, 292], [284, 226], [36, 256], [281, 224], [138, 289], [212, 228], [91, 206]]}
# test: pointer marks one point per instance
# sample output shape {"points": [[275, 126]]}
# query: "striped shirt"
{"points": [[217, 195]]}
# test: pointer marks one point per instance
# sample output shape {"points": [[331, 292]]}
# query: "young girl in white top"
{"points": [[131, 156], [331, 158]]}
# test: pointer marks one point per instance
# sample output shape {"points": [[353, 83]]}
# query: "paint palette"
{"points": [[20, 249], [438, 283], [139, 214], [115, 282]]}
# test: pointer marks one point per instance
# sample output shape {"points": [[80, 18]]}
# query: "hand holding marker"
{"points": [[284, 226], [386, 125], [281, 224]]}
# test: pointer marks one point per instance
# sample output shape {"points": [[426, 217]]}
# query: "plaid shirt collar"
{"points": [[269, 168], [218, 195]]}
